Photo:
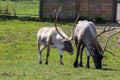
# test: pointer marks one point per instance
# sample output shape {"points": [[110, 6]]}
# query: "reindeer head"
{"points": [[98, 61], [68, 46], [97, 55]]}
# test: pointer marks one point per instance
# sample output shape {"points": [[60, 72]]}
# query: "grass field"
{"points": [[18, 56], [20, 7]]}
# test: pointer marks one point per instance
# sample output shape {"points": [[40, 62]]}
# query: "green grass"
{"points": [[22, 7], [18, 56]]}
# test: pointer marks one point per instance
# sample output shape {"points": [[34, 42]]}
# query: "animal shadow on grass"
{"points": [[108, 69]]}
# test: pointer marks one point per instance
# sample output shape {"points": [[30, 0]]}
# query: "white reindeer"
{"points": [[53, 37], [50, 38], [85, 36]]}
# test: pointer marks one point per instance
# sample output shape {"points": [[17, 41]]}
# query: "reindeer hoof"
{"points": [[61, 63], [87, 66], [81, 65], [75, 65], [40, 62], [46, 63]]}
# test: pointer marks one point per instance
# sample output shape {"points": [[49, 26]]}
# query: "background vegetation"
{"points": [[118, 1], [15, 9]]}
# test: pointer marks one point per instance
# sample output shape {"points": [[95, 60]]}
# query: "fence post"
{"points": [[114, 10], [41, 9]]}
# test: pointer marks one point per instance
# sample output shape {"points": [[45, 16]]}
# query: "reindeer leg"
{"points": [[76, 60], [47, 55], [40, 49], [61, 56], [61, 63], [88, 58], [76, 41], [88, 65], [81, 64]]}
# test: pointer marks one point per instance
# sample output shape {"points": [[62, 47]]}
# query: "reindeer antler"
{"points": [[107, 43], [56, 17], [106, 30], [74, 25]]}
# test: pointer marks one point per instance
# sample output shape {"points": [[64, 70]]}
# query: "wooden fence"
{"points": [[105, 9]]}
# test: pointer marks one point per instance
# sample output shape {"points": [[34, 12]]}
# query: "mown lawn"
{"points": [[18, 56], [20, 7]]}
